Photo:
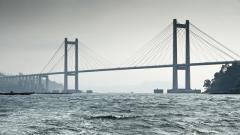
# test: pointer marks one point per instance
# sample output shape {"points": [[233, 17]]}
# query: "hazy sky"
{"points": [[31, 30]]}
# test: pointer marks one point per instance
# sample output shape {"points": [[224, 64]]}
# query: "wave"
{"points": [[113, 117]]}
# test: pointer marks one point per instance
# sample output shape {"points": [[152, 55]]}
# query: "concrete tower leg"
{"points": [[175, 66], [187, 68]]}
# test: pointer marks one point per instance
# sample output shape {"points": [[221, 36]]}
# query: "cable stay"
{"points": [[59, 61], [95, 58], [53, 56], [207, 50], [219, 46], [147, 53], [152, 54], [208, 43]]}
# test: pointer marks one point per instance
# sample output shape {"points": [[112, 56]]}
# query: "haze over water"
{"points": [[117, 114]]}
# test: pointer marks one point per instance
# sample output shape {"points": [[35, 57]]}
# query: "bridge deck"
{"points": [[127, 68]]}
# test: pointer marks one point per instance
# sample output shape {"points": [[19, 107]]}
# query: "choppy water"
{"points": [[120, 114]]}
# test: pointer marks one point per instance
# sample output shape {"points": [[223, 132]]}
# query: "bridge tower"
{"points": [[186, 66], [66, 73]]}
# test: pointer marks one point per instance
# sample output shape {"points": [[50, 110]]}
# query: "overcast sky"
{"points": [[31, 30]]}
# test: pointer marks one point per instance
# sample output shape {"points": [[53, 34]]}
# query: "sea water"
{"points": [[116, 114]]}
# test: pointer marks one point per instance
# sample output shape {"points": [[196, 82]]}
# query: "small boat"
{"points": [[17, 93]]}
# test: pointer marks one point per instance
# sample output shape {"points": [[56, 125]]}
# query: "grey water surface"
{"points": [[106, 114]]}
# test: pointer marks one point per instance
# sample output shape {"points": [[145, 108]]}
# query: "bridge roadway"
{"points": [[125, 68]]}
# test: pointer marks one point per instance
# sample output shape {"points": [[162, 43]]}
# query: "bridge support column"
{"points": [[66, 74], [35, 83], [66, 64], [176, 66], [43, 87], [187, 68], [76, 64], [28, 83], [39, 83], [47, 83], [24, 82], [31, 83]]}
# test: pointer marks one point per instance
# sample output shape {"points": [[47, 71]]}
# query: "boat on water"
{"points": [[17, 93]]}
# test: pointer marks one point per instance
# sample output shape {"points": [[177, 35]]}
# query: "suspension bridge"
{"points": [[178, 46]]}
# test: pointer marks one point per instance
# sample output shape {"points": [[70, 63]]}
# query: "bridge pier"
{"points": [[39, 83], [66, 73], [176, 66], [47, 83], [43, 87], [27, 83], [36, 83], [187, 67], [31, 83]]}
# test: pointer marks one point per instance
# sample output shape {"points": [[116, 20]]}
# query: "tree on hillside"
{"points": [[227, 80]]}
